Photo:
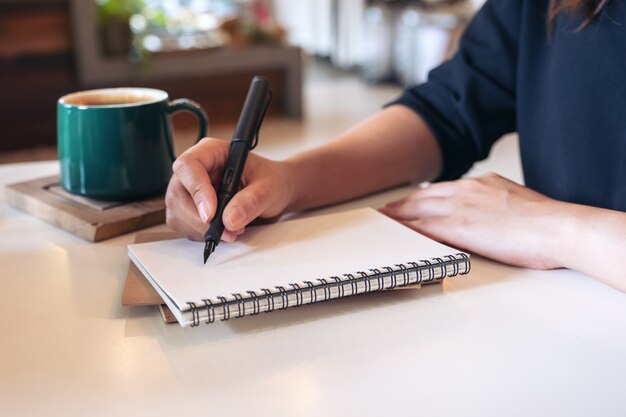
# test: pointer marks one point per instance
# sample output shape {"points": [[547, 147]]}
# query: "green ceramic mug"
{"points": [[116, 143]]}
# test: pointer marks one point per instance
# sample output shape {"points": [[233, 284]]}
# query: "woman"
{"points": [[555, 71]]}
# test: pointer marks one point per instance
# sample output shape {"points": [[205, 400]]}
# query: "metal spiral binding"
{"points": [[363, 278], [241, 305], [298, 292], [416, 267], [392, 275], [379, 278], [195, 314], [442, 265], [353, 283], [284, 297], [270, 300], [431, 270], [256, 304], [466, 259], [210, 311], [405, 275], [455, 266], [226, 314], [437, 268], [339, 284], [326, 287], [313, 291]]}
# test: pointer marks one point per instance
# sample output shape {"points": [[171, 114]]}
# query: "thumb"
{"points": [[246, 205]]}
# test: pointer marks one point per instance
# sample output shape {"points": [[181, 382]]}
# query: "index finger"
{"points": [[194, 176]]}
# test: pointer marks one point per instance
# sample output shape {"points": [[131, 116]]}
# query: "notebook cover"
{"points": [[139, 292], [343, 240]]}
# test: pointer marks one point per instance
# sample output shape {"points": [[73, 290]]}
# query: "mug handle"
{"points": [[190, 105]]}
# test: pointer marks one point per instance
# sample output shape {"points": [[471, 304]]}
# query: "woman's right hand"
{"points": [[191, 198]]}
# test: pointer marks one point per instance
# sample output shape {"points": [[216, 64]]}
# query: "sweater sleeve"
{"points": [[469, 101]]}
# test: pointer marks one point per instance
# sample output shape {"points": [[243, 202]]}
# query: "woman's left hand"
{"points": [[489, 216]]}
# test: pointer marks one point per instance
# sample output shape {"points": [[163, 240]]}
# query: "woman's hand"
{"points": [[191, 199], [490, 216]]}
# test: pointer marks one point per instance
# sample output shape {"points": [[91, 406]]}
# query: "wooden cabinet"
{"points": [[36, 67]]}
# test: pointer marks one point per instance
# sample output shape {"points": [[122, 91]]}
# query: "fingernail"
{"points": [[205, 213], [236, 217]]}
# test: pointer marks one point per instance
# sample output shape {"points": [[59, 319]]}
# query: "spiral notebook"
{"points": [[291, 263]]}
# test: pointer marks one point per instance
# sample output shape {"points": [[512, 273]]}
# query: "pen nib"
{"points": [[209, 247]]}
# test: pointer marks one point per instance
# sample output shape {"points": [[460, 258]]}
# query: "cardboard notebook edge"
{"points": [[137, 289]]}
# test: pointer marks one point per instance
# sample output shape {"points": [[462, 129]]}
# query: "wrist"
{"points": [[570, 225], [293, 185]]}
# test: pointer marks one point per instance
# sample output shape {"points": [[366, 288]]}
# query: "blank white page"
{"points": [[283, 253]]}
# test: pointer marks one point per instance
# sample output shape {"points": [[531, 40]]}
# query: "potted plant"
{"points": [[113, 24]]}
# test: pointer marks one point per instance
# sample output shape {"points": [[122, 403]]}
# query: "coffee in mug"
{"points": [[117, 144], [100, 99]]}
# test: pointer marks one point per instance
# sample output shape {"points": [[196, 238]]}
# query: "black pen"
{"points": [[245, 138]]}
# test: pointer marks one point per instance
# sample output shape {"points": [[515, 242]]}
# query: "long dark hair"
{"points": [[590, 8]]}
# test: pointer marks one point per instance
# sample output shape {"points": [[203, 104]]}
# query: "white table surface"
{"points": [[501, 342]]}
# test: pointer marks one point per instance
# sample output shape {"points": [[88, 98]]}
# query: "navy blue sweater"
{"points": [[565, 95]]}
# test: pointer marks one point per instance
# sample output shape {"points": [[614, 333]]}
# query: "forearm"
{"points": [[392, 147], [594, 242]]}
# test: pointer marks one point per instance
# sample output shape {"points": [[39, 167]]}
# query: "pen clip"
{"points": [[258, 129]]}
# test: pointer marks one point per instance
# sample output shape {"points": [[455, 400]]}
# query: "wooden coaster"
{"points": [[89, 219]]}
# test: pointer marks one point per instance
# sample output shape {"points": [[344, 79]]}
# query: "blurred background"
{"points": [[331, 63]]}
